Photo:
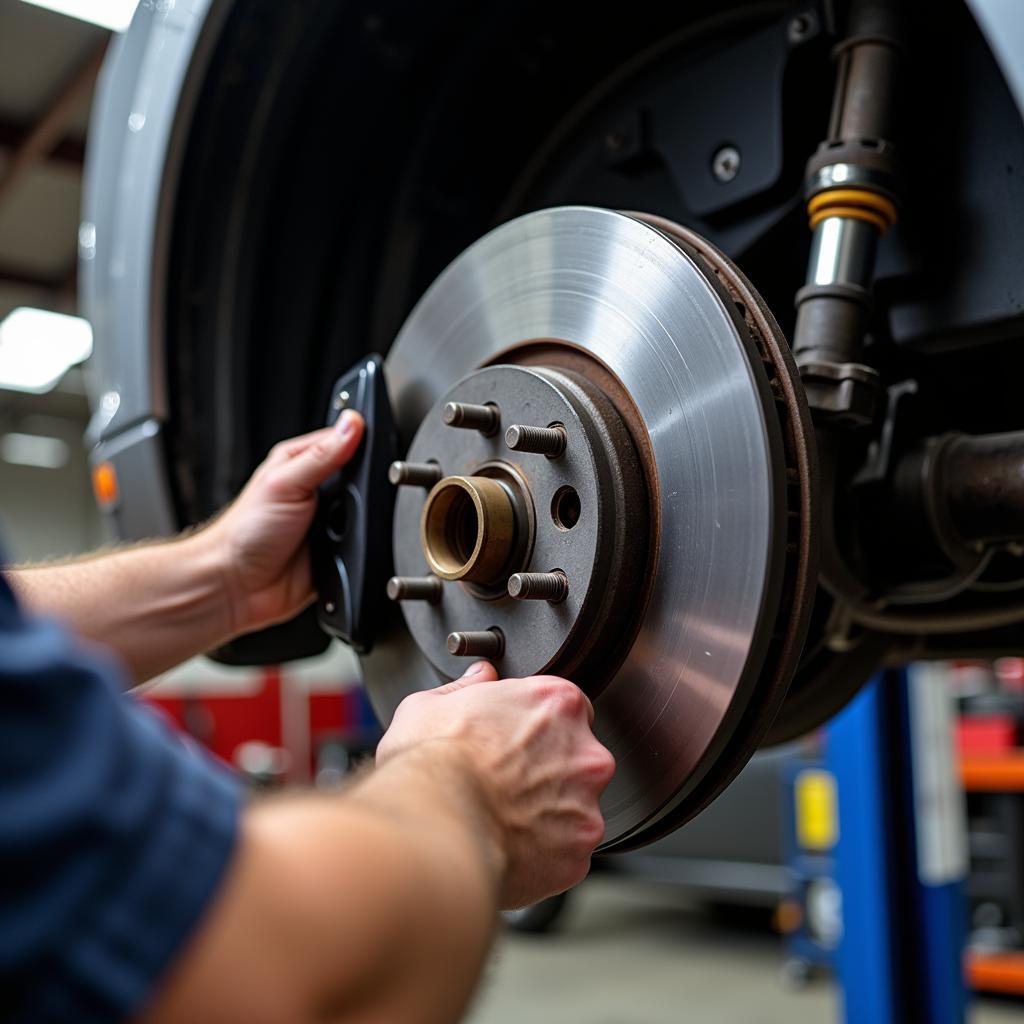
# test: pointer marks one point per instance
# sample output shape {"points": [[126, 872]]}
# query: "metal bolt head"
{"points": [[552, 587], [414, 474], [549, 441], [725, 164], [802, 27], [485, 418], [415, 588], [484, 643]]}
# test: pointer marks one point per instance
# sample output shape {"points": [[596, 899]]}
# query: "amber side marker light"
{"points": [[104, 484]]}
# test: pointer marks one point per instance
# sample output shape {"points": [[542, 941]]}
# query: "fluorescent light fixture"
{"points": [[34, 450], [37, 347], [113, 14]]}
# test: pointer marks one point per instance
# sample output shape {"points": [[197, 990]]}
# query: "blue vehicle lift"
{"points": [[901, 854]]}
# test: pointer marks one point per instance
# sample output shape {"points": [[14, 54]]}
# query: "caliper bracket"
{"points": [[350, 542]]}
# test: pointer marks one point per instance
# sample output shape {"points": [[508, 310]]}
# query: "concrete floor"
{"points": [[629, 952]]}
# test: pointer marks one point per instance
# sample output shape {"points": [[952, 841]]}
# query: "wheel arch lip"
{"points": [[144, 105], [1002, 25]]}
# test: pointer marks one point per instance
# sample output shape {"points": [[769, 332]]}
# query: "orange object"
{"points": [[993, 772], [996, 972], [856, 203], [104, 484], [789, 915], [852, 213]]}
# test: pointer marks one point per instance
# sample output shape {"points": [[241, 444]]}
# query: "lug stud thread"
{"points": [[485, 643], [549, 441], [415, 588], [414, 474], [484, 418], [538, 586]]}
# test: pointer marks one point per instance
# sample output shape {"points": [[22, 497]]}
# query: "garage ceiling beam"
{"points": [[52, 125], [70, 150]]}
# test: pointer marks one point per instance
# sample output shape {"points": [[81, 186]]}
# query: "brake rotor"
{"points": [[689, 565]]}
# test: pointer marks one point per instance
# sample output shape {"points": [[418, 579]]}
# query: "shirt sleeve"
{"points": [[114, 833]]}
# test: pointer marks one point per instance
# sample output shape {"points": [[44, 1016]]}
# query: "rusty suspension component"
{"points": [[963, 492], [851, 203]]}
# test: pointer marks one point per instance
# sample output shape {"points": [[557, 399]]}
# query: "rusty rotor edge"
{"points": [[795, 600]]}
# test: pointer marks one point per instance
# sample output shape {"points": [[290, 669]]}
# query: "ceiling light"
{"points": [[38, 347], [34, 450], [113, 14]]}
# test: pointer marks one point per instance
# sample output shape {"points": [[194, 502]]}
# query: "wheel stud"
{"points": [[485, 643], [415, 588], [549, 441], [484, 418], [538, 586], [414, 474]]}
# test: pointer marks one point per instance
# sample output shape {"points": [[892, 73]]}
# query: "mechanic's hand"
{"points": [[262, 535], [541, 771]]}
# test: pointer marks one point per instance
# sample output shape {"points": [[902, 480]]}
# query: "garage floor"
{"points": [[630, 952]]}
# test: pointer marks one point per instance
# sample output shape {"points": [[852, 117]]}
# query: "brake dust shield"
{"points": [[687, 548]]}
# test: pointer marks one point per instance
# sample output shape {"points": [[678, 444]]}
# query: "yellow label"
{"points": [[817, 812]]}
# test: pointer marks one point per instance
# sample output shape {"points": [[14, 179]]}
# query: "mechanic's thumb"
{"points": [[331, 450], [478, 672]]}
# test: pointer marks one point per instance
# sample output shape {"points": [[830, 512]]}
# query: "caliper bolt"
{"points": [[484, 418], [414, 474], [485, 643], [415, 588], [539, 586], [549, 441]]}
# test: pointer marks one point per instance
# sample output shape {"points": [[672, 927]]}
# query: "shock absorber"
{"points": [[851, 203]]}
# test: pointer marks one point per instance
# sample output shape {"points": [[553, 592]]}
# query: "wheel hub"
{"points": [[580, 513]]}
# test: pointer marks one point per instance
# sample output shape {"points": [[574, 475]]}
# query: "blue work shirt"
{"points": [[114, 832]]}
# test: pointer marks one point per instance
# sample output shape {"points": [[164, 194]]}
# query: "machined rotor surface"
{"points": [[654, 316]]}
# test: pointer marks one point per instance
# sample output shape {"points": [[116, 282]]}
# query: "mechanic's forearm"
{"points": [[155, 604], [377, 905]]}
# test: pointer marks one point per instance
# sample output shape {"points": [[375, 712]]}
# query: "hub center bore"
{"points": [[468, 529]]}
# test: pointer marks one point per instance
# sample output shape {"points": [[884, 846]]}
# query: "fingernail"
{"points": [[475, 669], [346, 424]]}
